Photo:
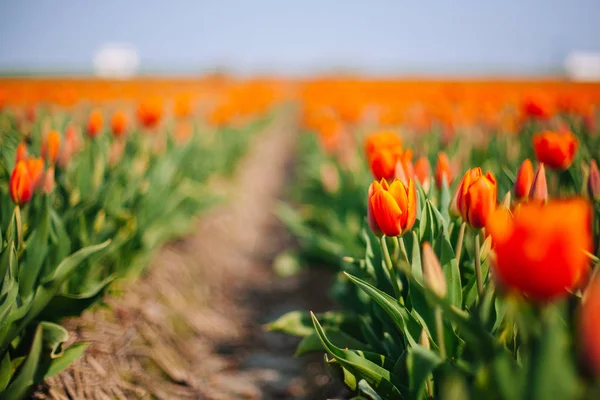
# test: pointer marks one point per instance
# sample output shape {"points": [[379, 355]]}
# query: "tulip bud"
{"points": [[594, 182], [99, 221], [115, 153], [95, 122], [442, 169], [475, 197], [423, 172], [524, 180], [392, 208], [51, 146], [21, 187], [432, 271], [35, 167], [539, 187], [118, 124], [21, 154], [49, 183], [589, 325], [424, 339], [506, 202]]}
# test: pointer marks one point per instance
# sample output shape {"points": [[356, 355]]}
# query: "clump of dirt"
{"points": [[192, 328]]}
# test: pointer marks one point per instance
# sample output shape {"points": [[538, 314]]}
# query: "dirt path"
{"points": [[192, 328]]}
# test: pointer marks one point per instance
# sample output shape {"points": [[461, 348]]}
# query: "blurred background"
{"points": [[299, 38]]}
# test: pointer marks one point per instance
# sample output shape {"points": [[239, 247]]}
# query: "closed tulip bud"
{"points": [[594, 182], [51, 147], [589, 326], [423, 172], [115, 152], [424, 339], [432, 271], [524, 180], [20, 186], [392, 209], [555, 149], [99, 221], [404, 168], [95, 122], [541, 249], [118, 124], [443, 170], [35, 167], [506, 202], [539, 187], [49, 183], [475, 197], [21, 154]]}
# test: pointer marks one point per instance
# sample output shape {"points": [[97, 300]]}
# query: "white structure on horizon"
{"points": [[583, 66], [116, 60]]}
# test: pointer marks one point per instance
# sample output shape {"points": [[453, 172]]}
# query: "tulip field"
{"points": [[453, 228]]}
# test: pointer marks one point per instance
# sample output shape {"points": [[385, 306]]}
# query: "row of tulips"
{"points": [[480, 287], [84, 206]]}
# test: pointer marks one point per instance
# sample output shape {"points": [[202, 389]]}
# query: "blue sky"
{"points": [[289, 36]]}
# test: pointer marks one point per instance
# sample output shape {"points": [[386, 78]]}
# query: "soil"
{"points": [[192, 328]]}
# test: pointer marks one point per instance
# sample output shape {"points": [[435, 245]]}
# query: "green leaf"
{"points": [[421, 362], [5, 371], [405, 322], [443, 248], [26, 375], [367, 391], [375, 375], [65, 268], [299, 323], [35, 253], [312, 342], [69, 356]]}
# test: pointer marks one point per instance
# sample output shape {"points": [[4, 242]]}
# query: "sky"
{"points": [[300, 37]]}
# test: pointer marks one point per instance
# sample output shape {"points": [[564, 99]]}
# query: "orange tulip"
{"points": [[540, 252], [21, 187], [392, 208], [95, 122], [118, 124], [51, 146], [383, 162], [524, 180], [475, 197], [35, 167], [149, 112], [442, 169], [423, 172], [557, 150], [21, 154], [589, 325], [377, 141], [536, 107]]}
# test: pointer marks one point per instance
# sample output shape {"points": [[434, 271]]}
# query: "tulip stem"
{"points": [[439, 330], [402, 246], [478, 274], [459, 243], [390, 267]]}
